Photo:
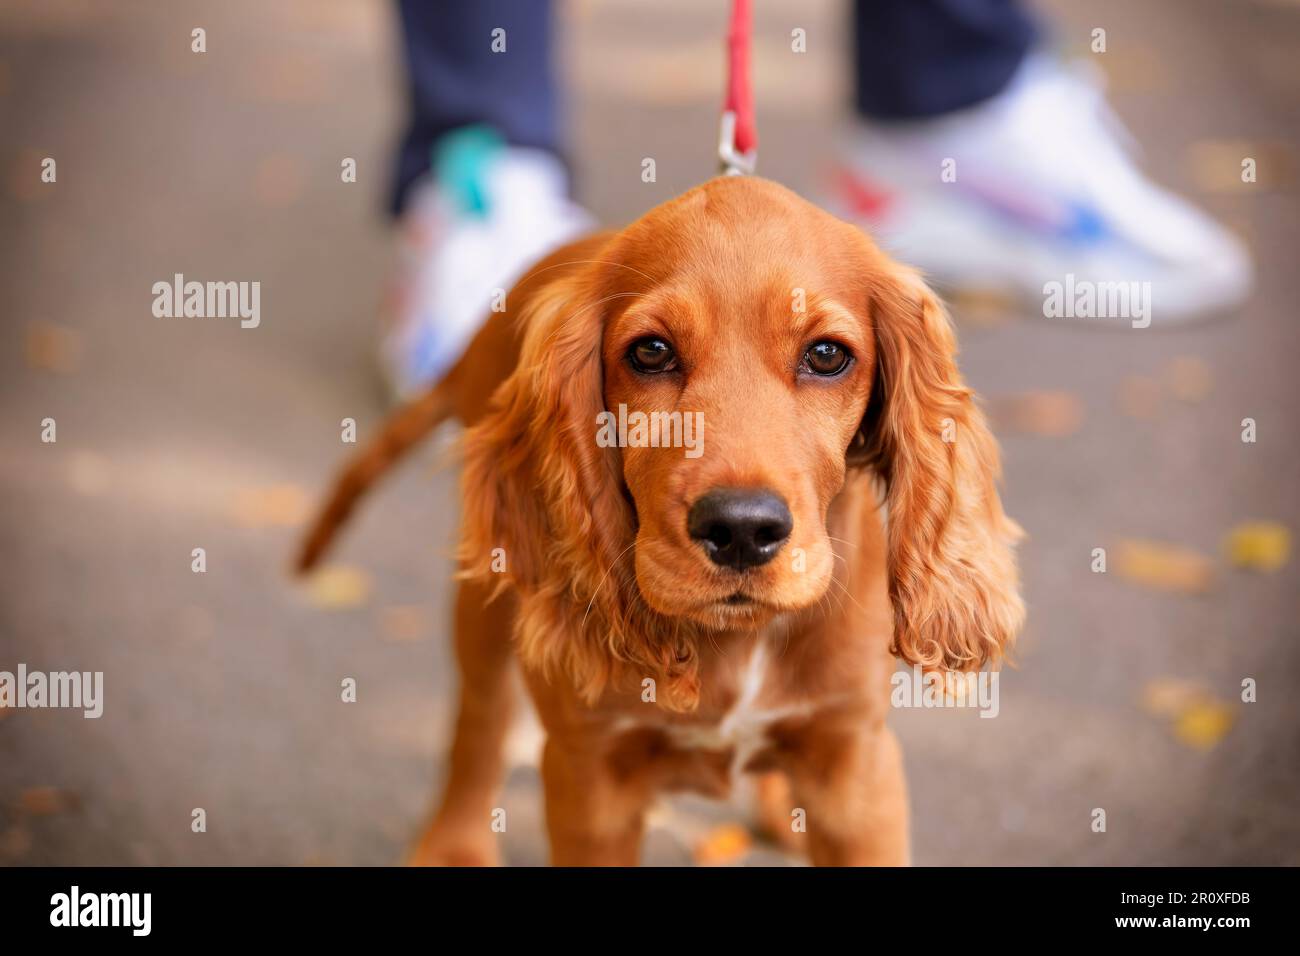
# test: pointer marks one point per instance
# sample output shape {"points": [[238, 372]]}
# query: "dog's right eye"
{"points": [[826, 359], [652, 355]]}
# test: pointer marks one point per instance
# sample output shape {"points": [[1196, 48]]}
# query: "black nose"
{"points": [[740, 529]]}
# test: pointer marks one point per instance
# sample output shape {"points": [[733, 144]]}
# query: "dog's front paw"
{"points": [[443, 845]]}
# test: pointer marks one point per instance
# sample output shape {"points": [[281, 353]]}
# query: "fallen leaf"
{"points": [[1203, 724], [46, 801], [14, 843], [25, 183], [1197, 718], [337, 586], [724, 844], [1053, 414], [1134, 71], [981, 308], [1163, 567], [1259, 545], [403, 623], [53, 348], [1170, 696], [1189, 378], [1216, 164], [283, 505]]}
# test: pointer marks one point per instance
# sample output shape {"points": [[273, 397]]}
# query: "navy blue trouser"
{"points": [[914, 58]]}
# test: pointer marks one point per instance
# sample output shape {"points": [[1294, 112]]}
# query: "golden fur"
{"points": [[602, 588]]}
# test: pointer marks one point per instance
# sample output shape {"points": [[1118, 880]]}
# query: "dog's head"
{"points": [[687, 406]]}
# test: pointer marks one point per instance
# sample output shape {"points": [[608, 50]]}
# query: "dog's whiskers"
{"points": [[582, 627], [847, 593]]}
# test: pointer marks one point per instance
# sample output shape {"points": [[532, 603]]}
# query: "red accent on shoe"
{"points": [[864, 197]]}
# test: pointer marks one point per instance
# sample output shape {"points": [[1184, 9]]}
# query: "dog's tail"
{"points": [[400, 433]]}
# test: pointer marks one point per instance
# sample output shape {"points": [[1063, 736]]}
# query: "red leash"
{"points": [[737, 139]]}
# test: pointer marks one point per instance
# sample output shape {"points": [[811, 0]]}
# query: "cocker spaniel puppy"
{"points": [[720, 468]]}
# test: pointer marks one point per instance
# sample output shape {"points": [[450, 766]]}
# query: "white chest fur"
{"points": [[744, 727]]}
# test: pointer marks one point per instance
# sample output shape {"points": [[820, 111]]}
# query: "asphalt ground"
{"points": [[222, 688]]}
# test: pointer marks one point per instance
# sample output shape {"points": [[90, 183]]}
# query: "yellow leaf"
{"points": [[337, 586], [981, 308], [1203, 724], [284, 505], [46, 801], [1198, 718], [1163, 567], [1134, 71], [1053, 414], [53, 348], [405, 622], [724, 844], [1189, 378], [1259, 545], [1216, 164]]}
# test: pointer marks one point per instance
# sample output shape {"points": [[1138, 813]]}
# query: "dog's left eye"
{"points": [[826, 358], [652, 355]]}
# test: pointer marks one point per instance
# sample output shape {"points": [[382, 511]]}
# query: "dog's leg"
{"points": [[461, 832], [850, 783], [594, 813], [774, 814]]}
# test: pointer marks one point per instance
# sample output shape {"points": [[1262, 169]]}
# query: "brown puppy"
{"points": [[682, 614]]}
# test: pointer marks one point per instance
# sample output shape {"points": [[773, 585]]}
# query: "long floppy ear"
{"points": [[952, 567], [537, 486]]}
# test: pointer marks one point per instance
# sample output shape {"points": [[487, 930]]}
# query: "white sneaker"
{"points": [[468, 233], [1045, 196]]}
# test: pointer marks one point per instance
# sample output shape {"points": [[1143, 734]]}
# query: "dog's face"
{"points": [[748, 355], [688, 401]]}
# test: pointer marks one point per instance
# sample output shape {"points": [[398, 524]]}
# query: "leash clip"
{"points": [[732, 162]]}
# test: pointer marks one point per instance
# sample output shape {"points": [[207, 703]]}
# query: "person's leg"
{"points": [[993, 166], [456, 78], [481, 188], [918, 58]]}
